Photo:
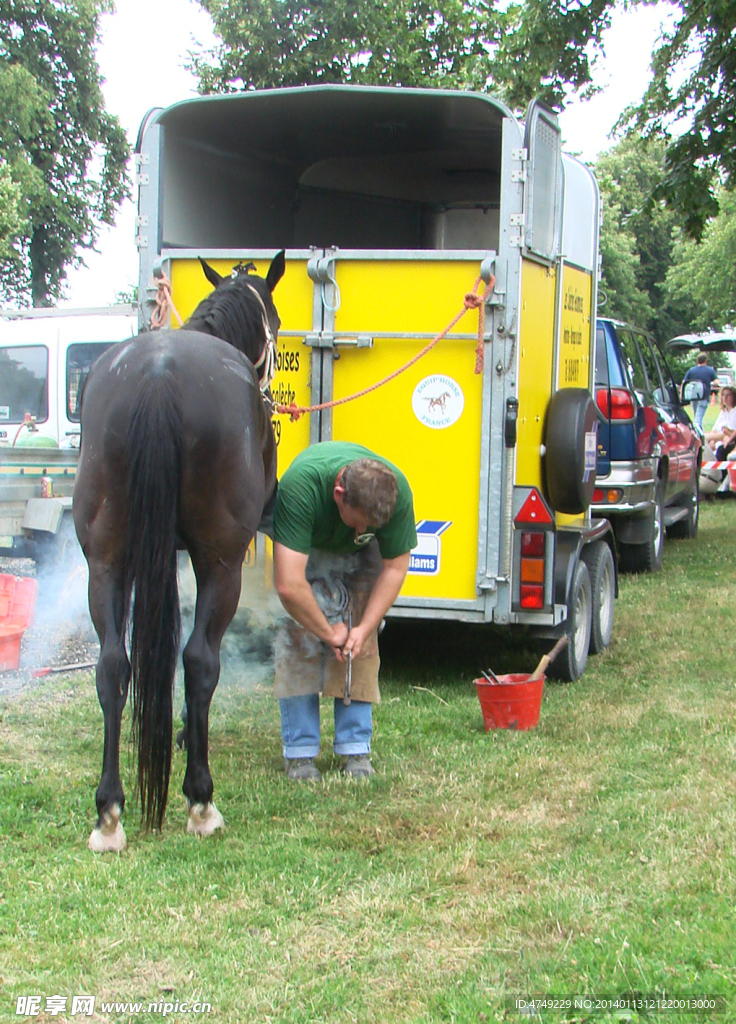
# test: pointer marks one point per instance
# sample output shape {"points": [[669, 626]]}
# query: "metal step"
{"points": [[673, 514]]}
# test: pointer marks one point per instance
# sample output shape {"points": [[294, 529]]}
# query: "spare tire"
{"points": [[571, 418]]}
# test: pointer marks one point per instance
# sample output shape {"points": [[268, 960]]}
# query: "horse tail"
{"points": [[156, 450]]}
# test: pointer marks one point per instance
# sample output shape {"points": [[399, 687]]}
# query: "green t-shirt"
{"points": [[307, 516]]}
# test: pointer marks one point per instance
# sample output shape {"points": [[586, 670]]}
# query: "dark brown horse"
{"points": [[177, 453]]}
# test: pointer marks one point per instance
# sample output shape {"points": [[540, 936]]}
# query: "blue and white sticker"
{"points": [[438, 401], [591, 452], [426, 557]]}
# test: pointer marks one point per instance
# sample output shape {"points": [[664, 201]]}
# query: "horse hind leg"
{"points": [[106, 601], [218, 590]]}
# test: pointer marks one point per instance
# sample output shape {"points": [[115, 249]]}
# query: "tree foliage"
{"points": [[702, 278], [62, 155], [268, 43], [697, 114]]}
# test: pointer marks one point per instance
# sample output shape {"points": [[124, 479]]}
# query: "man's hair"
{"points": [[370, 486], [702, 357]]}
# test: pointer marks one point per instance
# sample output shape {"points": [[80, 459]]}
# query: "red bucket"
{"points": [[513, 703]]}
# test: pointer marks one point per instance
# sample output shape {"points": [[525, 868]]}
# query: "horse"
{"points": [[177, 453]]}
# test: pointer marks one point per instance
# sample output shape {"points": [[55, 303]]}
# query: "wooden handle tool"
{"points": [[547, 658]]}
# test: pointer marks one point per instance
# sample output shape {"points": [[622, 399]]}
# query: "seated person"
{"points": [[725, 425]]}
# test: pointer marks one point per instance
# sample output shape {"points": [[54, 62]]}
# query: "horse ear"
{"points": [[212, 276], [276, 270]]}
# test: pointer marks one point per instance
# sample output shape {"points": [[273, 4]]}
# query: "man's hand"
{"points": [[354, 642], [339, 639]]}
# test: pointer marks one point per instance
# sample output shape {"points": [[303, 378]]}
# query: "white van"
{"points": [[44, 355]]}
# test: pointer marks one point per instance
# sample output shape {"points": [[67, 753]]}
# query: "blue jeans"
{"points": [[300, 726], [699, 410]]}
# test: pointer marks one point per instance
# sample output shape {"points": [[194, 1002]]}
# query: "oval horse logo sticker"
{"points": [[438, 401]]}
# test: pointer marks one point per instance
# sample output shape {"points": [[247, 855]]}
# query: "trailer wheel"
{"points": [[602, 572], [571, 415], [570, 664]]}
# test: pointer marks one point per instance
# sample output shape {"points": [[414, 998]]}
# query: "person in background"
{"points": [[717, 446], [725, 425], [343, 530], [706, 374]]}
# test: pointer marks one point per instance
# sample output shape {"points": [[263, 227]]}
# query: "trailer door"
{"points": [[382, 310]]}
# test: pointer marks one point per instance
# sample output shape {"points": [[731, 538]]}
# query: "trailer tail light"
{"points": [[534, 521], [616, 404], [532, 596]]}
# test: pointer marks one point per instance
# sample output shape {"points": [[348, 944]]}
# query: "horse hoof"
{"points": [[204, 819], [108, 837]]}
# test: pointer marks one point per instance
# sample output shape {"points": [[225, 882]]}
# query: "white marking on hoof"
{"points": [[204, 819], [109, 837]]}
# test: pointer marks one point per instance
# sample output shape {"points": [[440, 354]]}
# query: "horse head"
{"points": [[241, 311]]}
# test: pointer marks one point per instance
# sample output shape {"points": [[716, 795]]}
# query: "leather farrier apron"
{"points": [[303, 663]]}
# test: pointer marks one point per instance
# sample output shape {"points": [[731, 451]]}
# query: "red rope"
{"points": [[471, 301]]}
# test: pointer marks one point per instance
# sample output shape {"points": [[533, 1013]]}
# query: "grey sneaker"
{"points": [[302, 769], [358, 766]]}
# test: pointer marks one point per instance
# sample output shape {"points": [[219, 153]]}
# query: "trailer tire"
{"points": [[571, 416], [602, 572], [570, 663]]}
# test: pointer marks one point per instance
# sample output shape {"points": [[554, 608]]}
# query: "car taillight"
{"points": [[611, 496], [616, 404]]}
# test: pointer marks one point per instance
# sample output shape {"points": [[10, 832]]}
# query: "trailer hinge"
{"points": [[141, 241]]}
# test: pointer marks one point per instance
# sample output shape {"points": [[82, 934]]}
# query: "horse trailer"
{"points": [[391, 203]]}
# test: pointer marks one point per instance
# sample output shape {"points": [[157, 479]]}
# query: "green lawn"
{"points": [[593, 855]]}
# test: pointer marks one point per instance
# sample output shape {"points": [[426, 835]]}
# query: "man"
{"points": [[706, 374], [343, 529]]}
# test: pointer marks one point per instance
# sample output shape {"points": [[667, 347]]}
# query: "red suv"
{"points": [[649, 451]]}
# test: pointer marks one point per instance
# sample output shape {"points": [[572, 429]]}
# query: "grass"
{"points": [[591, 855]]}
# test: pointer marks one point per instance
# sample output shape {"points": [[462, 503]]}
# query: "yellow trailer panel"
{"points": [[430, 413]]}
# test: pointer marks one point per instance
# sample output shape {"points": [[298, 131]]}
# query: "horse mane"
{"points": [[233, 314]]}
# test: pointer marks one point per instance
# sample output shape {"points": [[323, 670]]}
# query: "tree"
{"points": [[627, 175], [267, 43], [702, 278], [63, 154]]}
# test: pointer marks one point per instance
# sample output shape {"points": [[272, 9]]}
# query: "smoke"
{"points": [[247, 651]]}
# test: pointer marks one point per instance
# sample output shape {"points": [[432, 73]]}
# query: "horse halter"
{"points": [[267, 358]]}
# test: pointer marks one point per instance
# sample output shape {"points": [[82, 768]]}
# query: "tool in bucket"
{"points": [[547, 658]]}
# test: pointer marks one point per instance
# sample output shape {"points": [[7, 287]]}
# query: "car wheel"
{"points": [[687, 527], [570, 664], [602, 573], [647, 557]]}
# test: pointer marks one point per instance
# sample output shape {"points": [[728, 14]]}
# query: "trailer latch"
{"points": [[509, 427]]}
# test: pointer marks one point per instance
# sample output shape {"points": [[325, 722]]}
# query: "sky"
{"points": [[142, 53]]}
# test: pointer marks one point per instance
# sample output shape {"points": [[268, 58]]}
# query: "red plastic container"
{"points": [[513, 703], [17, 604]]}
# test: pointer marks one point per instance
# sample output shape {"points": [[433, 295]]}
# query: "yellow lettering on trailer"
{"points": [[574, 362]]}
